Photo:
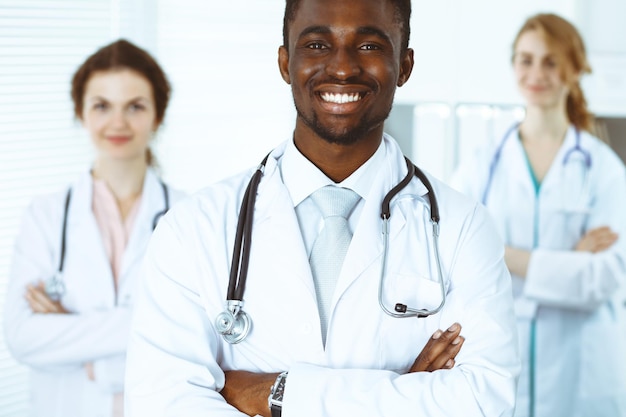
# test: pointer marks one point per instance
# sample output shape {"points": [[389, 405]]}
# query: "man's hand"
{"points": [[248, 391], [39, 301], [440, 350], [597, 240]]}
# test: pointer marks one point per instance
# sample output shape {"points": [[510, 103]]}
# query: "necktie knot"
{"points": [[335, 201]]}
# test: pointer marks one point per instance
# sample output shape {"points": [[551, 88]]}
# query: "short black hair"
{"points": [[403, 17]]}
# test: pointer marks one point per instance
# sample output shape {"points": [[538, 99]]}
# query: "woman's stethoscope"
{"points": [[234, 324], [55, 286], [586, 159]]}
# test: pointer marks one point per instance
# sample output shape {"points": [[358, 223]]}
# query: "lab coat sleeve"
{"points": [[172, 367], [50, 340], [483, 381], [583, 280]]}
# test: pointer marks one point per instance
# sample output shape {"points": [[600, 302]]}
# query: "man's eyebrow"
{"points": [[363, 30], [314, 29], [371, 30]]}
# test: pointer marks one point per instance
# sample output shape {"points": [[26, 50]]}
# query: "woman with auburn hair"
{"points": [[557, 195], [78, 253]]}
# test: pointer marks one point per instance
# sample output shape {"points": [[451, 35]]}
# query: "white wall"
{"points": [[230, 106], [463, 48]]}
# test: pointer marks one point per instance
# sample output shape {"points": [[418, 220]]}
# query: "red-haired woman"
{"points": [[557, 194]]}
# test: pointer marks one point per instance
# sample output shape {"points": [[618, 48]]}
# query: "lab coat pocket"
{"points": [[405, 337], [566, 226], [411, 290]]}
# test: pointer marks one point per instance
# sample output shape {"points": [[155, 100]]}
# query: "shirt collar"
{"points": [[302, 177]]}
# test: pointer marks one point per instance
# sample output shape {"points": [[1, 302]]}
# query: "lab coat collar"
{"points": [[302, 177]]}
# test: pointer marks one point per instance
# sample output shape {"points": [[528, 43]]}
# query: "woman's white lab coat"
{"points": [[57, 346], [176, 357], [574, 298]]}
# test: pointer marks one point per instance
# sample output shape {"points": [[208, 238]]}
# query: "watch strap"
{"points": [[276, 410]]}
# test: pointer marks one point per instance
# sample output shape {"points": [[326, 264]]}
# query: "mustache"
{"points": [[352, 81]]}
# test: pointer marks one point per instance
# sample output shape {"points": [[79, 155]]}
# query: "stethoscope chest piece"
{"points": [[233, 323], [55, 287]]}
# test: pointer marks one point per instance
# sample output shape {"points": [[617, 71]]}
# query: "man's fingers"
{"points": [[431, 354], [446, 359]]}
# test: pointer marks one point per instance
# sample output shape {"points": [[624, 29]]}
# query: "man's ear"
{"points": [[406, 67], [283, 64]]}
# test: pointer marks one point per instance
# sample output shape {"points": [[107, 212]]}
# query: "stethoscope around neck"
{"points": [[55, 286], [234, 324], [577, 148]]}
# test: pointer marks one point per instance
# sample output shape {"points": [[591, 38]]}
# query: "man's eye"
{"points": [[370, 47], [100, 106], [136, 107], [315, 45]]}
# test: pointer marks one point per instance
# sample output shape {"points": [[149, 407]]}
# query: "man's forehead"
{"points": [[358, 15]]}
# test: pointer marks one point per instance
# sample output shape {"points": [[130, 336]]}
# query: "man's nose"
{"points": [[343, 64]]}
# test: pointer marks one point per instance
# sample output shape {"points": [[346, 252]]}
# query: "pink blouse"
{"points": [[115, 233]]}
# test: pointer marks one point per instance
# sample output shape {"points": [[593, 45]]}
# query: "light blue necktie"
{"points": [[331, 245]]}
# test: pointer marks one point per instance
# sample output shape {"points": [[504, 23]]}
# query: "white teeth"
{"points": [[341, 98]]}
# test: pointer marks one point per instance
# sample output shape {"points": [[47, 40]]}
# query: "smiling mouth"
{"points": [[341, 98]]}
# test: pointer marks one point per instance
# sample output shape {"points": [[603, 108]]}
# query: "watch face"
{"points": [[279, 390]]}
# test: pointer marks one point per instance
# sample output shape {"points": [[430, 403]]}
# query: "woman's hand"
{"points": [[597, 240], [40, 302]]}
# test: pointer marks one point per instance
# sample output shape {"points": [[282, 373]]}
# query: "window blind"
{"points": [[42, 147]]}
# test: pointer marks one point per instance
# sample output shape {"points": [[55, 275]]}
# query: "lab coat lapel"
{"points": [[514, 159], [88, 240], [367, 243], [276, 226]]}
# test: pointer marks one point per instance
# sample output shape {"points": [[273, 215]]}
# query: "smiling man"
{"points": [[316, 333]]}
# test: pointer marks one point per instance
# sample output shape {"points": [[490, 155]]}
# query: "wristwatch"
{"points": [[275, 400]]}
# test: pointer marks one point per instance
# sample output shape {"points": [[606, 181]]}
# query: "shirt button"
{"points": [[306, 328]]}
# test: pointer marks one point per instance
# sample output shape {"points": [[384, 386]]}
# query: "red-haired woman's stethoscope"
{"points": [[234, 324], [55, 286], [586, 159]]}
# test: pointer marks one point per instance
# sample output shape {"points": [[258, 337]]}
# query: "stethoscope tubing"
{"points": [[56, 282], [243, 237], [402, 310], [64, 229], [498, 153], [234, 323]]}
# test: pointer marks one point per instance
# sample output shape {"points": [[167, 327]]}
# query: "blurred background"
{"points": [[230, 106]]}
